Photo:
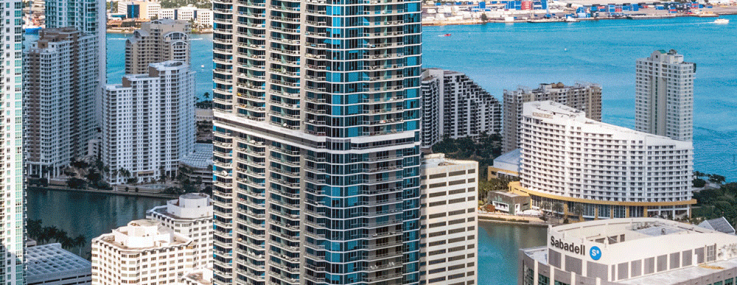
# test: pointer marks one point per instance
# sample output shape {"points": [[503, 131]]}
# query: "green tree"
{"points": [[578, 210]]}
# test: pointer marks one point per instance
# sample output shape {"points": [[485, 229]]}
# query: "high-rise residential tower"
{"points": [[456, 107], [595, 170], [316, 142], [88, 17], [13, 208], [148, 123], [584, 97], [664, 98], [60, 81], [157, 41]]}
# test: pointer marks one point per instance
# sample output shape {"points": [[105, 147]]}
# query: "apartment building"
{"points": [[191, 216], [149, 123], [584, 97], [664, 95], [157, 41], [90, 18], [606, 170], [13, 208], [630, 251], [316, 142], [60, 79], [142, 252], [195, 15], [449, 233], [456, 107]]}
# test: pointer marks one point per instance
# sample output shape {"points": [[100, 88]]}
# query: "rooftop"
{"points": [[200, 158], [50, 261], [511, 158], [438, 159], [718, 224]]}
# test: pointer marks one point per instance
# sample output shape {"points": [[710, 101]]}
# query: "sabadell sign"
{"points": [[594, 252]]}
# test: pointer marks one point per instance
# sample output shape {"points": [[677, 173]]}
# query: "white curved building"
{"points": [[611, 171], [157, 41]]}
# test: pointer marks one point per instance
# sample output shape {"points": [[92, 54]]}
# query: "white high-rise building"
{"points": [[88, 17], [456, 107], [449, 232], [190, 215], [157, 41], [584, 97], [142, 252], [60, 81], [148, 123], [12, 210], [316, 142], [664, 98], [608, 171]]}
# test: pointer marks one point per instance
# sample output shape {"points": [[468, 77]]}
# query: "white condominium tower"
{"points": [[664, 99], [449, 233], [148, 123], [584, 97], [609, 171], [190, 215], [143, 252], [60, 81], [88, 17], [456, 107], [157, 41], [316, 141], [13, 207]]}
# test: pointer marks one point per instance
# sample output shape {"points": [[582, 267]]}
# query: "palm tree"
{"points": [[79, 242], [34, 228], [545, 206], [206, 95]]}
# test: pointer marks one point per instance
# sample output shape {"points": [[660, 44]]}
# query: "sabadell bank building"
{"points": [[631, 251]]}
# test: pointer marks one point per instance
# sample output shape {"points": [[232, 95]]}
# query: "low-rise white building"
{"points": [[148, 123], [449, 234], [143, 252], [190, 215], [198, 277], [50, 264], [189, 13], [631, 251]]}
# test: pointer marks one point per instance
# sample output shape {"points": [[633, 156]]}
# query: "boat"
{"points": [[721, 21], [543, 20], [445, 35], [571, 20]]}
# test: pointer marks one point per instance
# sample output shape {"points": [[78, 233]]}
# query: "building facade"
{"points": [[630, 251], [148, 123], [202, 17], [142, 252], [456, 107], [60, 82], [585, 97], [13, 209], [607, 171], [157, 41], [90, 18], [449, 233], [316, 142], [49, 264], [191, 216], [664, 95], [144, 10]]}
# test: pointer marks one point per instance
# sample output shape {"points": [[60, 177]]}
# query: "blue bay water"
{"points": [[503, 56]]}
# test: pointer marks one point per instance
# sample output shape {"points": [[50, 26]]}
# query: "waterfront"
{"points": [[94, 214], [86, 214], [500, 56], [505, 56]]}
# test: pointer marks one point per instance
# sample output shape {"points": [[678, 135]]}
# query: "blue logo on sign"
{"points": [[595, 253]]}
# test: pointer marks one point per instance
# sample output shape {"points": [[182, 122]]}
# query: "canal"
{"points": [[91, 215]]}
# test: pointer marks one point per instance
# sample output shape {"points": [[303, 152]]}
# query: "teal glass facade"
{"points": [[317, 144]]}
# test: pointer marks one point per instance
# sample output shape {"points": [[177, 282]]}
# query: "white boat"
{"points": [[721, 21], [571, 20]]}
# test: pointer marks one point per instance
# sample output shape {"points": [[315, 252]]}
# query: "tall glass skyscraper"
{"points": [[317, 144], [13, 209]]}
